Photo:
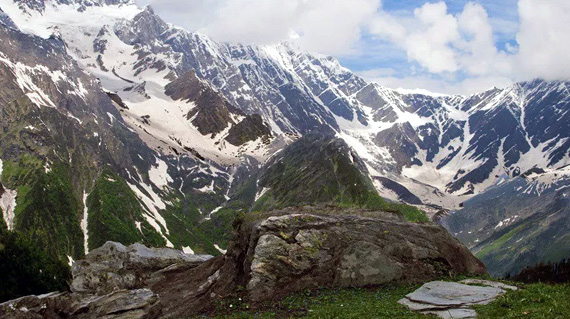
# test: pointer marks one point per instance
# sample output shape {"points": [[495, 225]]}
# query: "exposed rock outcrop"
{"points": [[212, 113], [250, 128], [114, 267], [272, 255]]}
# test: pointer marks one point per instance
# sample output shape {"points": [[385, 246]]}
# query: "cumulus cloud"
{"points": [[465, 43], [430, 43], [334, 26], [544, 46], [478, 54]]}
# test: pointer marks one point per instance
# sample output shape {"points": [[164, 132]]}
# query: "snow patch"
{"points": [[159, 174], [261, 193], [215, 210], [223, 251], [84, 223], [506, 222], [8, 204]]}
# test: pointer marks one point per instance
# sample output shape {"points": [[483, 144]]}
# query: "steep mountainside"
{"points": [[58, 134], [517, 223], [73, 174]]}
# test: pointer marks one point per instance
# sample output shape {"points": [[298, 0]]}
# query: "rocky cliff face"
{"points": [[273, 255]]}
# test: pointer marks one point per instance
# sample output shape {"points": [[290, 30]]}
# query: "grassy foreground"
{"points": [[532, 301]]}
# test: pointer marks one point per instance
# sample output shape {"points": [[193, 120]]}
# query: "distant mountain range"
{"points": [[146, 132]]}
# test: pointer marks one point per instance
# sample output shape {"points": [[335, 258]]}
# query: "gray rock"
{"points": [[35, 306], [272, 255], [115, 267], [443, 293], [453, 300], [307, 249], [125, 304], [457, 313], [365, 264]]}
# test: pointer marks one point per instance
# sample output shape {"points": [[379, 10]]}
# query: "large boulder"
{"points": [[294, 249], [303, 250], [114, 267]]}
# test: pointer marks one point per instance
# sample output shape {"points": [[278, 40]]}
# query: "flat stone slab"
{"points": [[452, 299], [443, 293]]}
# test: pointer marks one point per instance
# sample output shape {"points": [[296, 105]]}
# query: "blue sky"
{"points": [[446, 46]]}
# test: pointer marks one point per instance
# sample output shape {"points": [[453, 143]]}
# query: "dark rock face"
{"points": [[212, 113], [249, 129], [401, 140], [272, 255], [403, 192], [6, 21]]}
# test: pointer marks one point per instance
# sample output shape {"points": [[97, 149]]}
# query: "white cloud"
{"points": [[334, 26], [429, 44], [479, 55], [465, 43], [250, 21], [544, 42], [441, 42]]}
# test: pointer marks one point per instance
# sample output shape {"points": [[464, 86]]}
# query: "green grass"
{"points": [[497, 243], [410, 213], [327, 303], [47, 212], [531, 301], [113, 210]]}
